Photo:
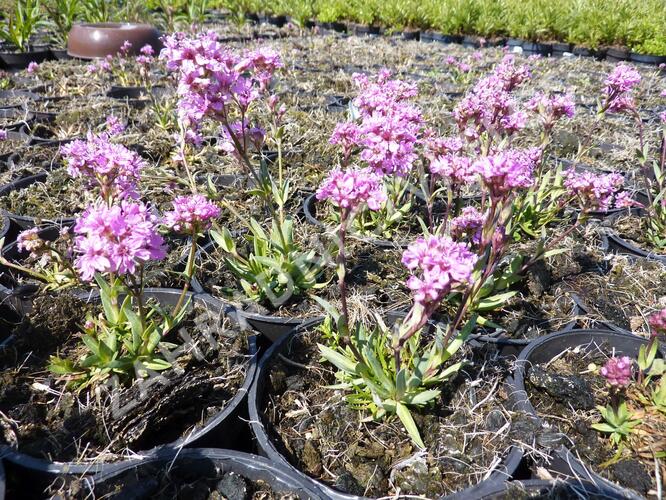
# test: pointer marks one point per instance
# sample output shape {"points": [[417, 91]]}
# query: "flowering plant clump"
{"points": [[637, 410], [114, 126], [552, 108], [468, 224], [113, 168]]}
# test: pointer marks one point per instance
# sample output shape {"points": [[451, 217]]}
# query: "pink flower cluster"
{"points": [[145, 58], [619, 86], [459, 65], [389, 129], [447, 160], [468, 224], [3, 134], [32, 67], [489, 107], [353, 187], [116, 239], [508, 170], [595, 191], [114, 126], [212, 78], [552, 108], [102, 66], [113, 167], [658, 322], [617, 371], [191, 214], [444, 264], [29, 241]]}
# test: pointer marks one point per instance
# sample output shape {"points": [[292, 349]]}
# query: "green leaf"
{"points": [[157, 364], [408, 421], [224, 240], [340, 361], [424, 397], [493, 302]]}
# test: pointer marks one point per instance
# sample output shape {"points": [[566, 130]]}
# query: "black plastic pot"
{"points": [[617, 54], [267, 448], [472, 42], [543, 350], [410, 35], [224, 429], [583, 307], [581, 51], [337, 103], [514, 42], [336, 26], [15, 61], [364, 30], [133, 480], [542, 49], [536, 488], [310, 216], [14, 113], [278, 21], [23, 95], [25, 221], [433, 36], [120, 92], [613, 242], [559, 49], [647, 59]]}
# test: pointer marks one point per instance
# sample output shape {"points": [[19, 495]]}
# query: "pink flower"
{"points": [[619, 85], [623, 78], [3, 134], [116, 239], [112, 167], [469, 223], [29, 241], [147, 50], [617, 371], [658, 322], [114, 126], [447, 160], [552, 108], [211, 77], [595, 191], [352, 188], [191, 214], [662, 116], [32, 67], [346, 135], [444, 265], [125, 47], [508, 171]]}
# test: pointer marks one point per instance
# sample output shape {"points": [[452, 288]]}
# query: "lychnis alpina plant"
{"points": [[618, 98], [112, 242], [390, 371], [229, 90], [637, 390]]}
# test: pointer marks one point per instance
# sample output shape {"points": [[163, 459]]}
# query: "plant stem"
{"points": [[189, 271]]}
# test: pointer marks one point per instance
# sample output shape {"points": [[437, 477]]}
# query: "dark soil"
{"points": [[565, 393], [41, 418], [318, 432], [206, 481]]}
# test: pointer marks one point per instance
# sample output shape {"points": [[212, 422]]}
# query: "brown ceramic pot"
{"points": [[88, 41]]}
